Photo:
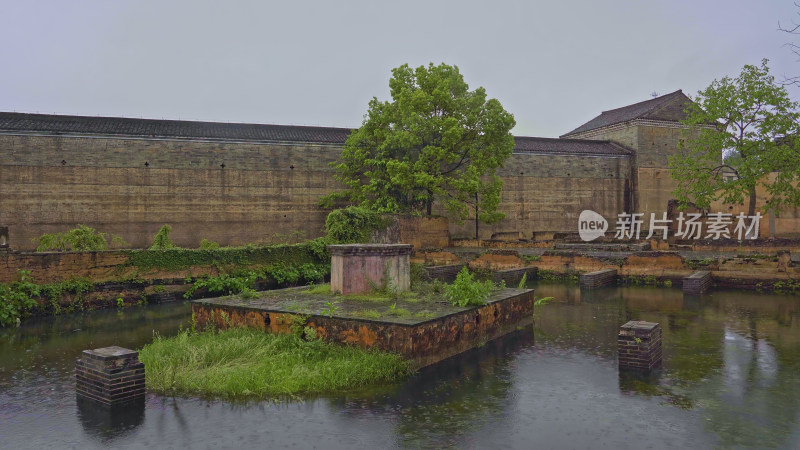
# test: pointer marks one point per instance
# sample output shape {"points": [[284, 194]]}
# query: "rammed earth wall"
{"points": [[266, 192], [132, 186]]}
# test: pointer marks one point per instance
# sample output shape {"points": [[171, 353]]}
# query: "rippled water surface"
{"points": [[731, 378]]}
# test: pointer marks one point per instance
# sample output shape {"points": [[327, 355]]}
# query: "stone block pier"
{"points": [[110, 376], [639, 345], [697, 283], [600, 278]]}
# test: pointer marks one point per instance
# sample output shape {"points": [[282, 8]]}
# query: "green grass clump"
{"points": [[241, 363], [367, 314], [466, 291], [319, 289], [424, 314]]}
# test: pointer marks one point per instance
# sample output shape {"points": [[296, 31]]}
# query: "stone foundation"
{"points": [[423, 341]]}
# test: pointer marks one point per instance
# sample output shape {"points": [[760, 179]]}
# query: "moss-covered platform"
{"points": [[424, 328]]}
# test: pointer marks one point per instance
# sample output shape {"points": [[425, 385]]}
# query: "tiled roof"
{"points": [[667, 107], [169, 128], [524, 144], [117, 126]]}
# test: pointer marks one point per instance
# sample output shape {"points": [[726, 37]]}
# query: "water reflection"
{"points": [[733, 355], [444, 402], [729, 378], [106, 423]]}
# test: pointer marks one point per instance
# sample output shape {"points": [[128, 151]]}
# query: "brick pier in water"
{"points": [[110, 376], [639, 346], [598, 279]]}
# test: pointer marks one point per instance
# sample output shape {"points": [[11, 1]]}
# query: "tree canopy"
{"points": [[434, 141], [752, 122]]}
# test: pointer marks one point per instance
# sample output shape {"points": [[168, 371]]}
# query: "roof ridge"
{"points": [[656, 101], [558, 139], [44, 116], [662, 105], [625, 113]]}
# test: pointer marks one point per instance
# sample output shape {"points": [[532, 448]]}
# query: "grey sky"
{"points": [[553, 64]]}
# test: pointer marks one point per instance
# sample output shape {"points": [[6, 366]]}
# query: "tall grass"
{"points": [[249, 363]]}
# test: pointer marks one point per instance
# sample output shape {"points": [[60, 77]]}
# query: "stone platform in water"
{"points": [[424, 331]]}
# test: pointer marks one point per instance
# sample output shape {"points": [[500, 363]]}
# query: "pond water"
{"points": [[731, 378]]}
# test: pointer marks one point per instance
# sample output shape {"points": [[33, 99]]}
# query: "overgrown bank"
{"points": [[92, 278], [159, 275], [241, 363]]}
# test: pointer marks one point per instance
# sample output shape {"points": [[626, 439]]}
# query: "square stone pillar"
{"points": [[639, 346], [110, 376], [357, 268]]}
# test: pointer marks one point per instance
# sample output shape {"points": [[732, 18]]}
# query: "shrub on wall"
{"points": [[205, 244], [81, 239], [161, 240], [353, 224]]}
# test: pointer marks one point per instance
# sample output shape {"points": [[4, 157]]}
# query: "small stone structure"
{"points": [[697, 283], [110, 376], [423, 340], [639, 346], [513, 276], [358, 268], [598, 279], [445, 273], [784, 260]]}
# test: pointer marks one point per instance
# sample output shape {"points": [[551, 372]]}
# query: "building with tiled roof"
{"points": [[666, 108]]}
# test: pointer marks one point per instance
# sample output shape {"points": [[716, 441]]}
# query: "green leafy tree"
{"points": [[434, 141], [752, 121]]}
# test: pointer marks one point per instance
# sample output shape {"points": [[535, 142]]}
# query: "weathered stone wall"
{"points": [[421, 232], [546, 193], [654, 143], [622, 133], [264, 193], [785, 224], [130, 187]]}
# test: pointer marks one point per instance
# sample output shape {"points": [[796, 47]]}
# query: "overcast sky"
{"points": [[553, 64]]}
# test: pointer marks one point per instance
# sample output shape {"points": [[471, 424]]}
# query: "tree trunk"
{"points": [[476, 216], [751, 207]]}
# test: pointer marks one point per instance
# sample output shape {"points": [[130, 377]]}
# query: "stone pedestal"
{"points": [[110, 376], [639, 346], [697, 283], [358, 268], [598, 279]]}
